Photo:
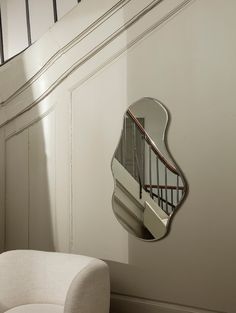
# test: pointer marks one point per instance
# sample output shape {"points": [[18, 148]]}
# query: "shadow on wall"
{"points": [[29, 180], [29, 209]]}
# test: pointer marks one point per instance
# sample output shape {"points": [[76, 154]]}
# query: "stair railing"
{"points": [[3, 60]]}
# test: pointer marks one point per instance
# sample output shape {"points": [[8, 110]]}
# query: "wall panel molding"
{"points": [[25, 121], [46, 125], [126, 304]]}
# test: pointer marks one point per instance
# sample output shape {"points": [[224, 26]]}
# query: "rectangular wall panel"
{"points": [[42, 184], [17, 193], [95, 134]]}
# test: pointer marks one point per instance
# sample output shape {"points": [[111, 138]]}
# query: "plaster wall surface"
{"points": [[189, 64]]}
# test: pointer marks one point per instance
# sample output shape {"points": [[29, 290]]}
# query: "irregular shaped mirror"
{"points": [[148, 185]]}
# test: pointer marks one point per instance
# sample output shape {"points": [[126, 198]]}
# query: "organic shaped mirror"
{"points": [[148, 185]]}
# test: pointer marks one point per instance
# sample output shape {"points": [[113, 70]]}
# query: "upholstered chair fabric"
{"points": [[50, 282]]}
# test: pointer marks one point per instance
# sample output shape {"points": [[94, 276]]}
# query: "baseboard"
{"points": [[128, 304]]}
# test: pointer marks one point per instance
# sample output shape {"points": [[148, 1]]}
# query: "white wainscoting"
{"points": [[37, 189]]}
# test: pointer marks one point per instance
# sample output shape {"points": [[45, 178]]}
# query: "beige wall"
{"points": [[188, 64]]}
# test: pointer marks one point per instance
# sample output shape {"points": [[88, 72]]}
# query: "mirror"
{"points": [[148, 186]]}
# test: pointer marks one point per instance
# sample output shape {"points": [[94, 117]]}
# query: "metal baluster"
{"points": [[28, 22], [133, 150], [125, 140], [161, 198], [122, 144], [54, 2], [171, 197], [166, 195], [1, 40], [139, 179], [177, 189], [150, 170], [158, 181], [142, 159]]}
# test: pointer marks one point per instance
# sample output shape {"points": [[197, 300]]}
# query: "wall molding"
{"points": [[127, 304], [77, 53], [15, 129], [65, 49]]}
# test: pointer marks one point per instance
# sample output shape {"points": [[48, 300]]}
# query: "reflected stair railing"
{"points": [[161, 179]]}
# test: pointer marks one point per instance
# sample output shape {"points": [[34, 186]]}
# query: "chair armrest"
{"points": [[89, 291]]}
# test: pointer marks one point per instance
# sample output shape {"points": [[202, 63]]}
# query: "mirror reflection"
{"points": [[148, 185]]}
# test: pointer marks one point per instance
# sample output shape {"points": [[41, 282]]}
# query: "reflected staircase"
{"points": [[148, 186]]}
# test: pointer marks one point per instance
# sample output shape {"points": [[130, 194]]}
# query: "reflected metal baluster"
{"points": [[142, 160], [125, 141], [166, 194], [172, 199], [139, 176], [150, 170], [123, 144], [158, 181], [161, 198], [177, 189], [134, 149]]}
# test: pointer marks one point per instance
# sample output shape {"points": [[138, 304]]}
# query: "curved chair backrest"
{"points": [[28, 277]]}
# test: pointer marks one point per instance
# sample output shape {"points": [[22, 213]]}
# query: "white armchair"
{"points": [[50, 282]]}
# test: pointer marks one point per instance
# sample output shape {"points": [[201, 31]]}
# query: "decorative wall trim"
{"points": [[59, 72], [66, 48], [137, 39], [16, 129], [127, 304], [71, 212]]}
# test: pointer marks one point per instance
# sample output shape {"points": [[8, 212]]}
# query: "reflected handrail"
{"points": [[151, 143]]}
